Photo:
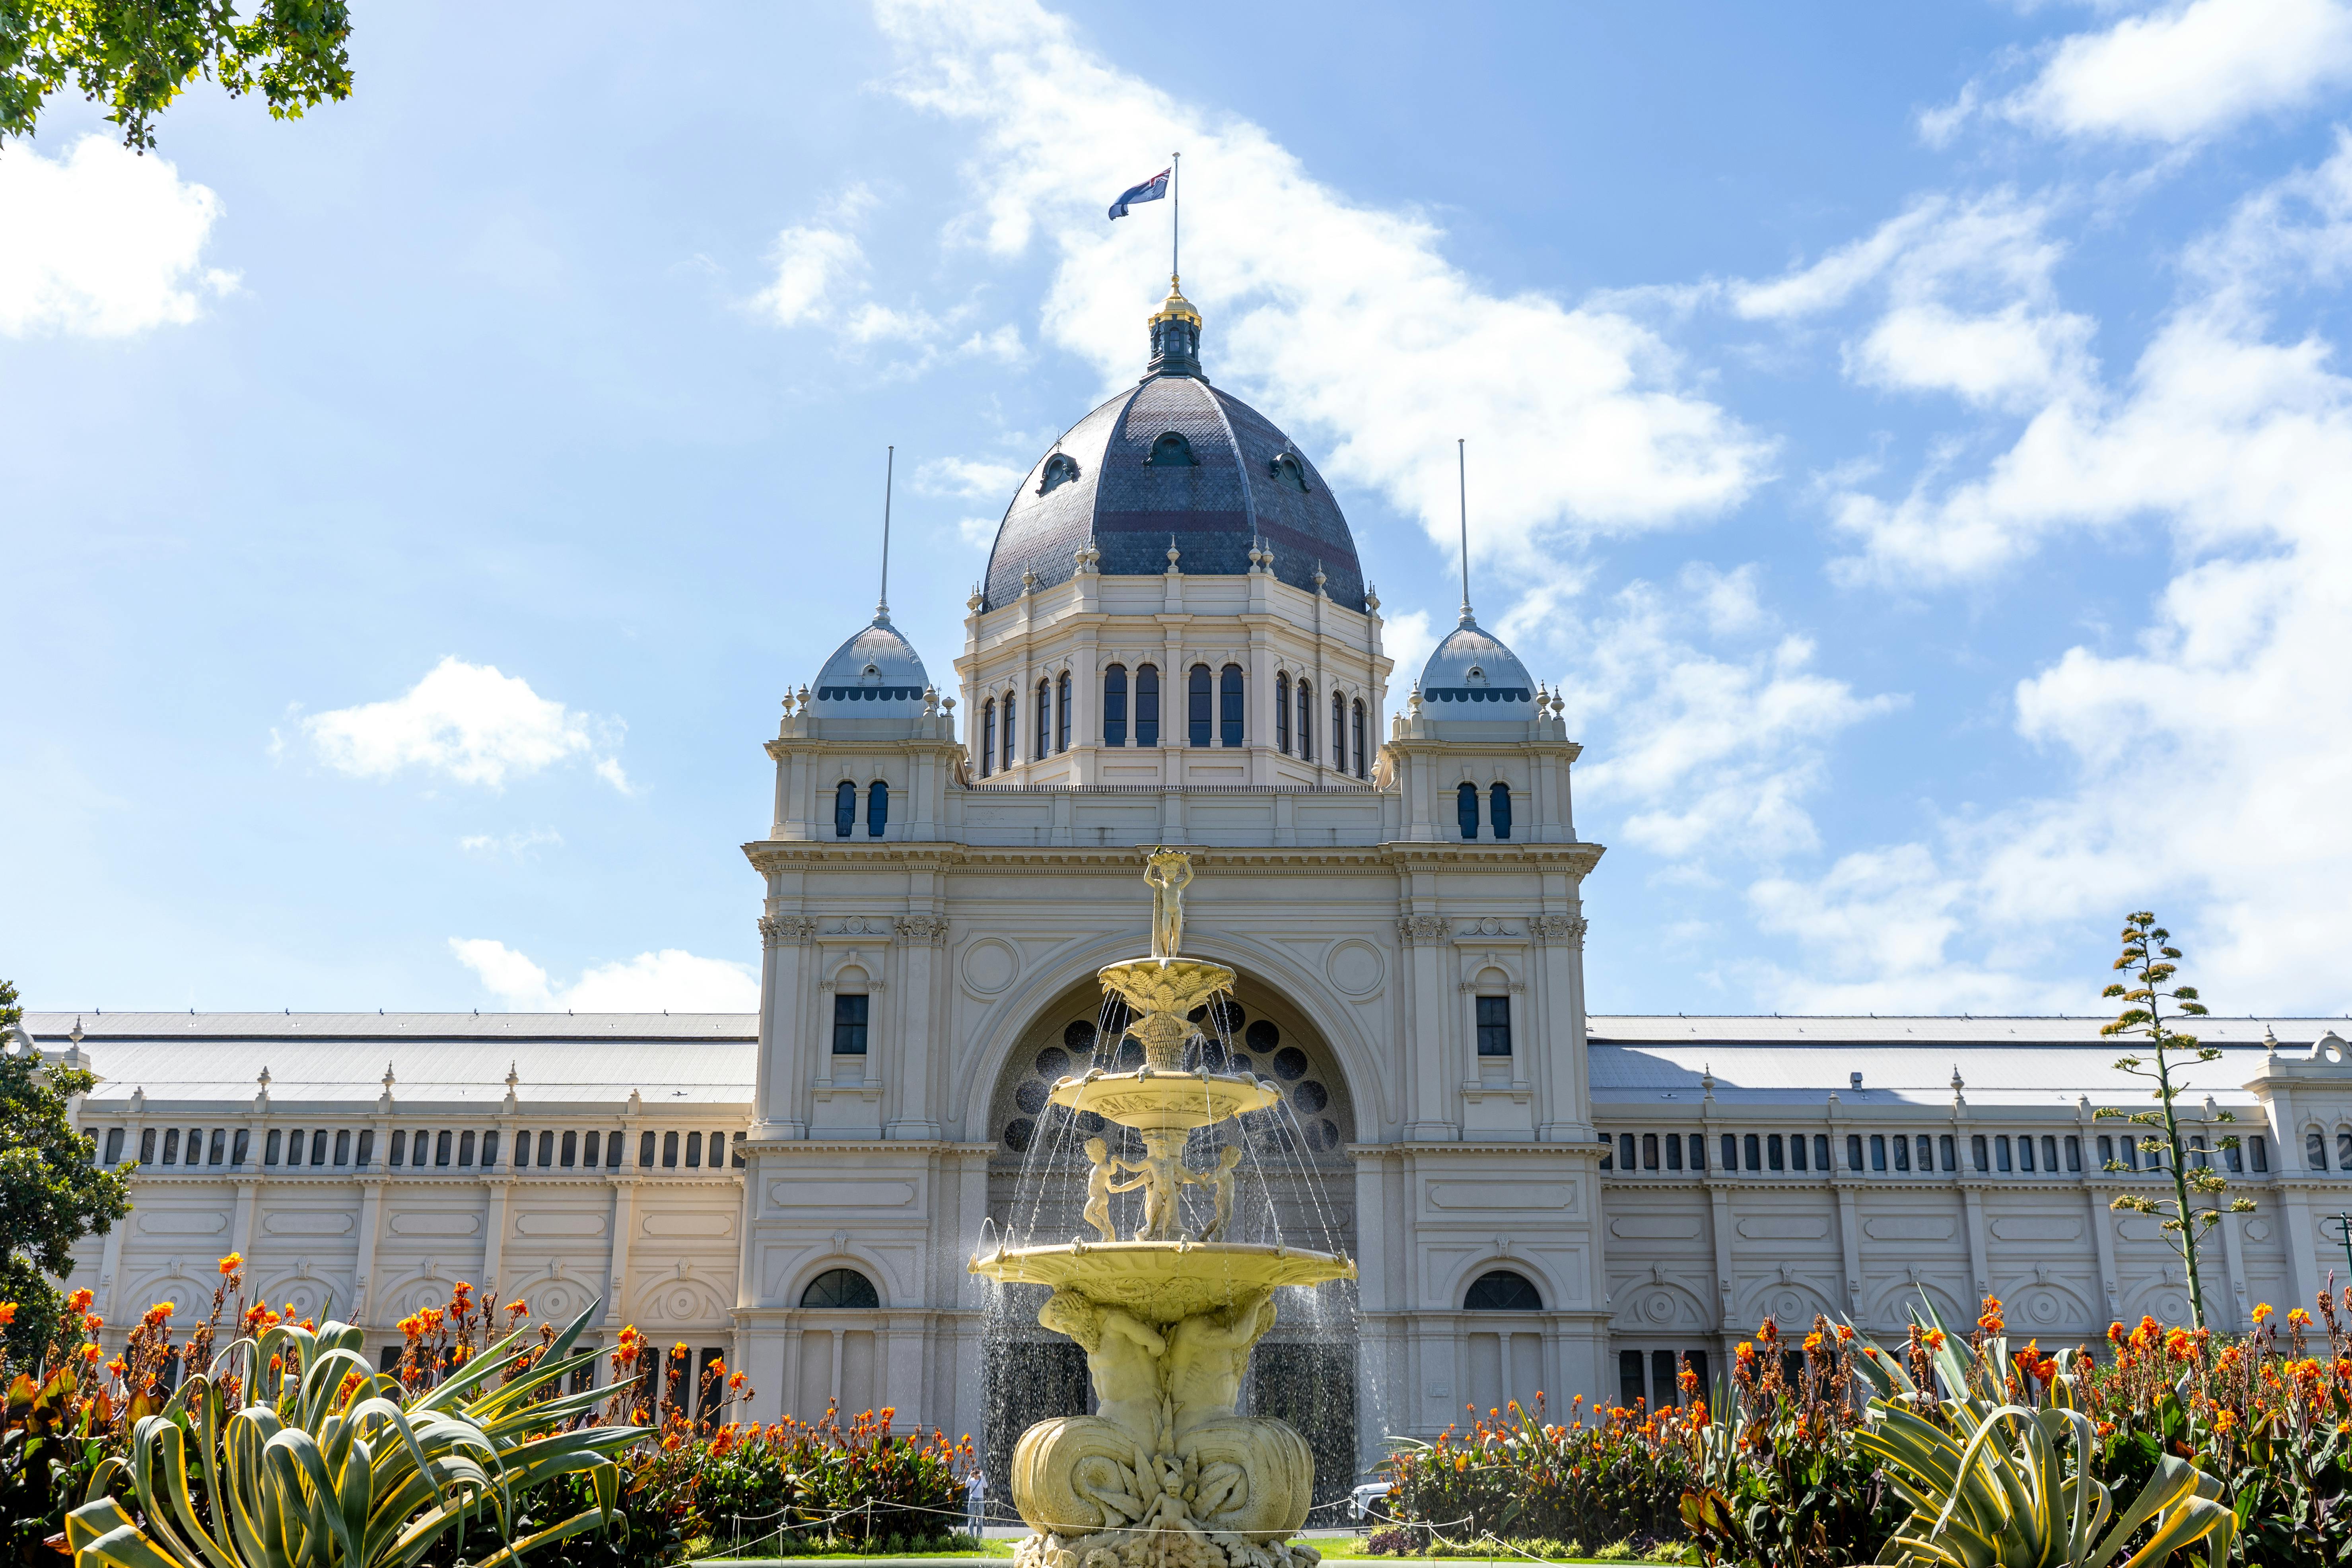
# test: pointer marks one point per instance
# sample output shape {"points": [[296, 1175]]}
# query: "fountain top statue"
{"points": [[1167, 872]]}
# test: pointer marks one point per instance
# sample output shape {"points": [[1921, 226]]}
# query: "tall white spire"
{"points": [[890, 472], [1462, 476]]}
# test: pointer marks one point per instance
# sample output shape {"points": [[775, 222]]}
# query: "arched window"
{"points": [[1062, 712], [844, 808], [841, 1287], [1229, 705], [1147, 705], [1282, 714], [1498, 809], [1338, 733], [1012, 726], [1501, 1291], [1115, 705], [1060, 470], [1171, 450], [1465, 808], [988, 737], [877, 808], [1196, 707], [1305, 722], [1287, 468], [1356, 712], [1045, 722]]}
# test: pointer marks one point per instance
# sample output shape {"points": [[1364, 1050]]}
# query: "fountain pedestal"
{"points": [[1165, 1474]]}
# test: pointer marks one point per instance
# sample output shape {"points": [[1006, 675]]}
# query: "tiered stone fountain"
{"points": [[1165, 1475]]}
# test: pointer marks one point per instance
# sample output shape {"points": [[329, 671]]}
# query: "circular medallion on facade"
{"points": [[1355, 966], [989, 965]]}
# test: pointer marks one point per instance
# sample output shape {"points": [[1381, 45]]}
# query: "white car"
{"points": [[1364, 1497]]}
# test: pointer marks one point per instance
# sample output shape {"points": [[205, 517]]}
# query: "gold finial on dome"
{"points": [[1176, 307]]}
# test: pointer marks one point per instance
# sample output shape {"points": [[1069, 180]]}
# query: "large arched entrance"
{"points": [[1304, 1372]]}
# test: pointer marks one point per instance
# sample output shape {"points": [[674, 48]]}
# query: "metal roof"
{"points": [[1249, 484]]}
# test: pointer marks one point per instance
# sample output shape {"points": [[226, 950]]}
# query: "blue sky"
{"points": [[1913, 437]]}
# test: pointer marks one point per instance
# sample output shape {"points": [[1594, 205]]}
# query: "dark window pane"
{"points": [[1773, 1159], [489, 1150], [1853, 1151], [877, 808], [694, 1150], [367, 1145], [2000, 1152], [1625, 1152], [849, 1025], [1501, 1291], [1062, 713], [1196, 711], [844, 808], [441, 1150], [172, 1146], [1753, 1146], [1731, 1152], [220, 1147], [1698, 1151], [465, 1147], [1649, 1151], [669, 1150], [1359, 737], [988, 737], [342, 1146], [2075, 1156], [399, 1148], [646, 1151], [1147, 705], [1498, 809], [1628, 1378], [1662, 1377], [570, 1154], [318, 1147], [841, 1287], [1229, 706], [1282, 714], [1951, 1162], [1674, 1152], [1466, 809], [591, 1147], [1493, 1025], [1045, 721], [1305, 722], [1339, 732], [1796, 1151], [243, 1146], [1115, 705], [1902, 1153], [1821, 1151], [1012, 726], [1977, 1155], [1877, 1151]]}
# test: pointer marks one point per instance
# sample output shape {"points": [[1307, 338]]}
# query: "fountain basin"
{"points": [[1164, 1281], [1165, 984], [1160, 1101]]}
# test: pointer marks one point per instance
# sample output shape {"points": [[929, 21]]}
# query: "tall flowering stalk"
{"points": [[2148, 956]]}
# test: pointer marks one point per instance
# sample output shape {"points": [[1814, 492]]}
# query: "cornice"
{"points": [[772, 855]]}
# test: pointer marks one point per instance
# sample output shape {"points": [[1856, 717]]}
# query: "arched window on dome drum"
{"points": [[1465, 808], [1355, 713], [1338, 733], [1282, 714], [1060, 470], [877, 808], [1012, 726], [1196, 707], [1305, 722], [1045, 721], [844, 808], [1147, 705], [1498, 809], [1500, 1290], [842, 1289], [1229, 706], [1171, 450], [1115, 705], [1062, 712], [988, 737]]}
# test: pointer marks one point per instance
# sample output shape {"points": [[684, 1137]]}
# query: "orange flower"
{"points": [[92, 1353], [92, 1324], [2296, 1318], [2179, 1345], [1933, 1339], [516, 1308], [8, 1313], [735, 1381], [2223, 1421], [80, 1301], [1768, 1330], [232, 1263], [1746, 1353], [1813, 1343], [2262, 1314], [1990, 1320], [2115, 1331], [1844, 1334]]}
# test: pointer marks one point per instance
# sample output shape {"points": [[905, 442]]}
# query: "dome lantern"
{"points": [[1175, 336]]}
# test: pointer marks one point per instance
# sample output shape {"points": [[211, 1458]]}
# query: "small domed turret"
{"points": [[1471, 675], [876, 674]]}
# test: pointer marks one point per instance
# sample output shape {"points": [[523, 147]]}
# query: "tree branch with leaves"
{"points": [[2149, 957], [137, 56]]}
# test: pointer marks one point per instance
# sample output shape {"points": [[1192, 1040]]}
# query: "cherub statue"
{"points": [[1221, 1181], [1167, 871], [1101, 1183], [1163, 1176]]}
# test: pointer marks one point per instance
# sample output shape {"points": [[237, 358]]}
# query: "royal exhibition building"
{"points": [[1175, 644]]}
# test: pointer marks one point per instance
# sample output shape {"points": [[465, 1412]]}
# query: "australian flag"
{"points": [[1152, 190]]}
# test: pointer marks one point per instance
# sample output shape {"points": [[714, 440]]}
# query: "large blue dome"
{"points": [[1175, 456]]}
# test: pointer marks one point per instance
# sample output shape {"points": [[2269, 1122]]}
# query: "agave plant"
{"points": [[325, 1463], [1987, 1484]]}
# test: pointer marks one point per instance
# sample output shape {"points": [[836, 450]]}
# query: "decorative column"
{"points": [[920, 936], [781, 1109], [1562, 1113], [1422, 937]]}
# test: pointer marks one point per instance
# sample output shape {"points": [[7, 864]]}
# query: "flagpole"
{"points": [[1176, 217], [1462, 475], [890, 472]]}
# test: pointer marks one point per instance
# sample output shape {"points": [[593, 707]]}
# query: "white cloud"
{"points": [[520, 844], [813, 267], [101, 242], [980, 532], [671, 979], [1340, 317], [2177, 73], [970, 478], [2210, 759], [1706, 750], [467, 722]]}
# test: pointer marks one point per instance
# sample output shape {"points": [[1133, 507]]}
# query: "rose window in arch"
{"points": [[1232, 1035]]}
